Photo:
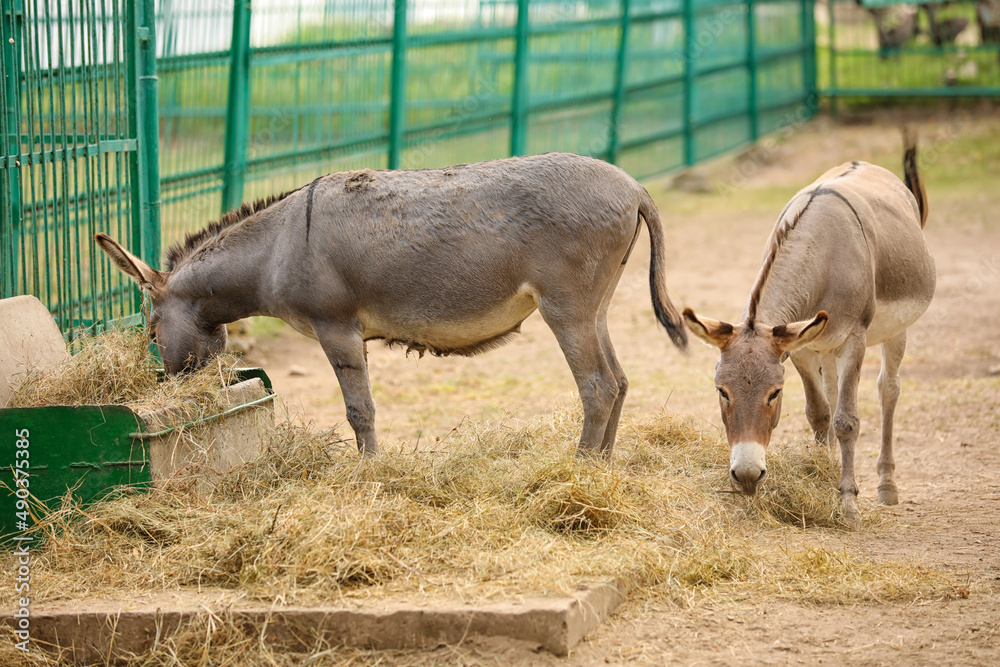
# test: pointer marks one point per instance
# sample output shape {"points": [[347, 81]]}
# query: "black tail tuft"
{"points": [[911, 175]]}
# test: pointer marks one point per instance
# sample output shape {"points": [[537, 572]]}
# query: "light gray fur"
{"points": [[449, 261]]}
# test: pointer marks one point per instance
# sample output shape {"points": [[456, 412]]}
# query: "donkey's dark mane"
{"points": [[184, 249], [786, 222]]}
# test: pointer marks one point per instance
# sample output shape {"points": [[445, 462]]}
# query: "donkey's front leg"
{"points": [[345, 348], [846, 422], [807, 363]]}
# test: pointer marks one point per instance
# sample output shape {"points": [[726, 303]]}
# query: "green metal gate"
{"points": [[79, 153]]}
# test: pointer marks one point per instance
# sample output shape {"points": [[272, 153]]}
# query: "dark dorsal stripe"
{"points": [[309, 207], [790, 217], [845, 200], [183, 250]]}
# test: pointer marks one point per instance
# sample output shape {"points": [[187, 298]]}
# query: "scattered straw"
{"points": [[801, 489], [500, 512]]}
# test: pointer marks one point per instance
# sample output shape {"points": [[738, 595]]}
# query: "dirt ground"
{"points": [[947, 423]]}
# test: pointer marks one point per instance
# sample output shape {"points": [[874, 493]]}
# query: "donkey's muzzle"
{"points": [[747, 466]]}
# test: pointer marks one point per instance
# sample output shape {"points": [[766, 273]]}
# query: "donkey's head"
{"points": [[750, 377], [186, 342]]}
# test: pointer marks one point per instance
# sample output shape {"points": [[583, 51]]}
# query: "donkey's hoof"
{"points": [[368, 452], [852, 517], [888, 495]]}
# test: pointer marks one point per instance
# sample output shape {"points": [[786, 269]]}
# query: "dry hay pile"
{"points": [[116, 367], [498, 511]]}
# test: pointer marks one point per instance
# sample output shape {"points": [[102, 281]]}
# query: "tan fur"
{"points": [[789, 217], [846, 266]]}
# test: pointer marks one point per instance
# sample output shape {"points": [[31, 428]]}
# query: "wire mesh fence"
{"points": [[909, 48], [71, 161]]}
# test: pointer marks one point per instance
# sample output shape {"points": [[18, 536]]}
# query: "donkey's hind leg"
{"points": [[578, 336], [611, 430], [345, 349], [888, 395]]}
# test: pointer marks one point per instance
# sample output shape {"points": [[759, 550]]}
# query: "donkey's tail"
{"points": [[910, 174], [665, 312]]}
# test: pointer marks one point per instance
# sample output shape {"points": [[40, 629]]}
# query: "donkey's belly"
{"points": [[453, 331], [892, 318]]}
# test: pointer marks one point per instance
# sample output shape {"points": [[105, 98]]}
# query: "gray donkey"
{"points": [[846, 267], [448, 261]]}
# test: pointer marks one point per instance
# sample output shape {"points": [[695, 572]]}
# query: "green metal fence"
{"points": [[246, 98], [909, 56], [76, 93], [263, 96]]}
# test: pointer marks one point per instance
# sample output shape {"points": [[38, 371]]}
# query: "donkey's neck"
{"points": [[225, 278], [787, 291]]}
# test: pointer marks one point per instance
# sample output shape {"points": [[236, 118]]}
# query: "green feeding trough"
{"points": [[98, 450]]}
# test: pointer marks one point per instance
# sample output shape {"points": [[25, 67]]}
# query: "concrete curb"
{"points": [[108, 630]]}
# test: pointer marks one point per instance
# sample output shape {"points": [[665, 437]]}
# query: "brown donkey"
{"points": [[449, 261], [846, 267]]}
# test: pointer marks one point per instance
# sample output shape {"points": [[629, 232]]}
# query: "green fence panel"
{"points": [[956, 56], [397, 94], [255, 97], [76, 78], [193, 49], [336, 85], [461, 95], [237, 109]]}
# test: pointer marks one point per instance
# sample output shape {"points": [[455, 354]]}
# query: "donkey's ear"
{"points": [[790, 337], [144, 275], [712, 332]]}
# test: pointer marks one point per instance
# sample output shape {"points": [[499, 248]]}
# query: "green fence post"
{"points": [[809, 46], [149, 133], [397, 92], [10, 184], [752, 107], [237, 109], [621, 76], [519, 99], [832, 50], [135, 165], [689, 81]]}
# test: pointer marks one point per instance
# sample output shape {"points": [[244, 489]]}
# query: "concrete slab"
{"points": [[29, 338], [98, 631]]}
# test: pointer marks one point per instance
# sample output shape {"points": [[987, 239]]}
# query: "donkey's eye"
{"points": [[723, 395], [773, 397]]}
